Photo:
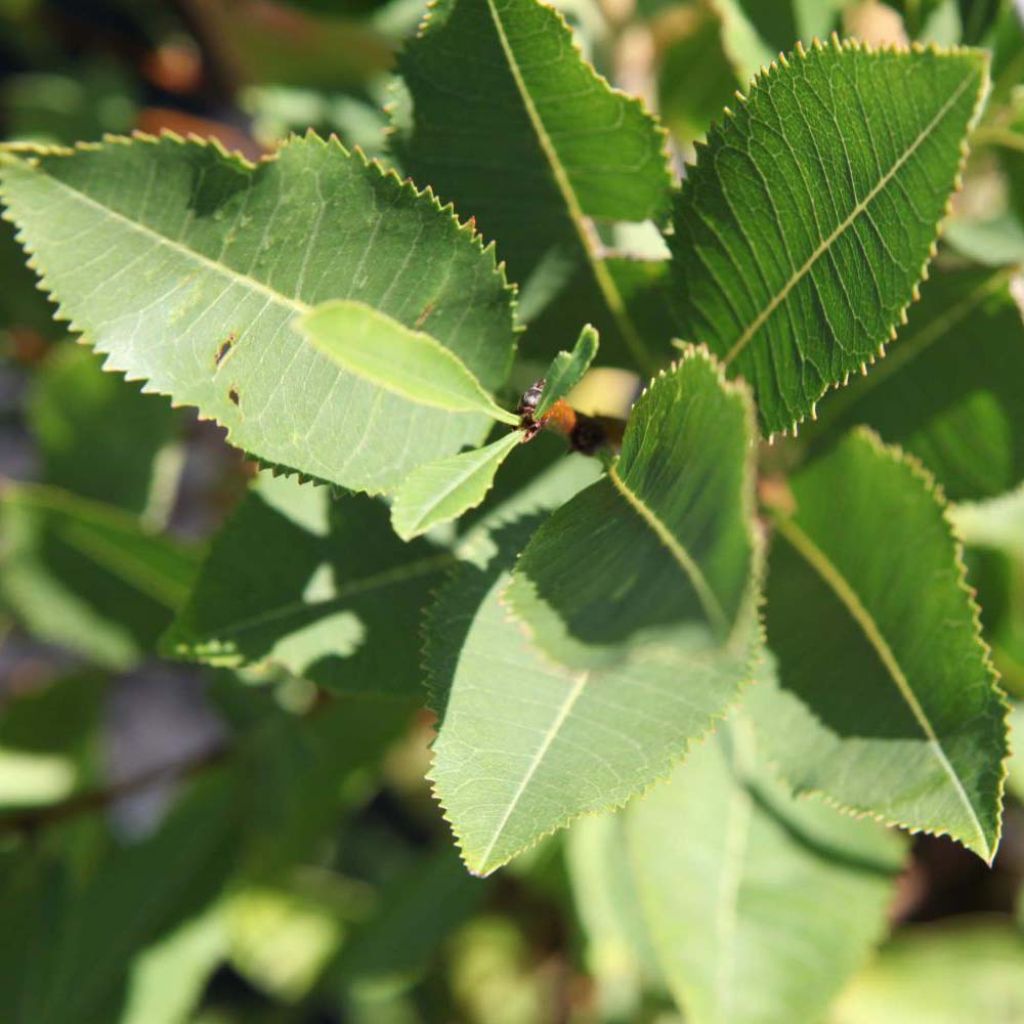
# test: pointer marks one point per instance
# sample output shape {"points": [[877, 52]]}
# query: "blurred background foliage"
{"points": [[213, 846]]}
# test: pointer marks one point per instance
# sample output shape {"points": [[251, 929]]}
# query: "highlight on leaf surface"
{"points": [[886, 702], [404, 362], [441, 491], [330, 590], [568, 683], [187, 267], [792, 895], [805, 227]]}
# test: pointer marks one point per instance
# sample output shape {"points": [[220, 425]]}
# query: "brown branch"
{"points": [[90, 800]]}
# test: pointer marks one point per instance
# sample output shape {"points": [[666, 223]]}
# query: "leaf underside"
{"points": [[791, 895], [187, 267], [808, 221]]}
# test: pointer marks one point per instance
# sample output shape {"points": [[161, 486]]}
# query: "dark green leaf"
{"points": [[949, 389], [98, 435], [804, 228], [88, 576], [887, 702], [318, 586]]}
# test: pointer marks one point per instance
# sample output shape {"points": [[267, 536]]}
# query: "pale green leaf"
{"points": [[966, 969], [1015, 781], [630, 672], [567, 370], [949, 389], [318, 586], [619, 954], [809, 219], [88, 576], [443, 490], [187, 267], [527, 744], [407, 363], [672, 522], [759, 905], [98, 435], [520, 132], [886, 701]]}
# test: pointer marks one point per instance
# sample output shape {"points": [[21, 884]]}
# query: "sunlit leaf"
{"points": [[804, 228], [194, 287], [759, 905]]}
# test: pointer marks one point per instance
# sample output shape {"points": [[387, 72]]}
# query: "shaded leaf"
{"points": [[88, 576], [194, 286], [624, 677], [967, 969], [522, 134], [48, 741], [441, 491], [79, 965], [405, 362], [804, 228], [98, 435], [948, 391], [759, 905], [887, 702], [672, 523], [331, 589], [567, 369]]}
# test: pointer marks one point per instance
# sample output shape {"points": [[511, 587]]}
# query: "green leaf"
{"points": [[88, 576], [565, 741], [759, 905], [804, 228], [404, 362], [77, 970], [329, 591], [619, 954], [948, 391], [887, 702], [48, 741], [965, 969], [98, 435], [441, 491], [521, 133], [567, 370], [589, 720], [193, 285], [673, 524]]}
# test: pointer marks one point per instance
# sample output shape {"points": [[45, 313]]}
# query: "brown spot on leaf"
{"points": [[422, 318], [233, 395], [224, 349]]}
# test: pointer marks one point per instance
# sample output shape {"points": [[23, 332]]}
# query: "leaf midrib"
{"points": [[837, 583], [355, 588], [748, 333], [172, 244], [693, 572], [605, 282]]}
